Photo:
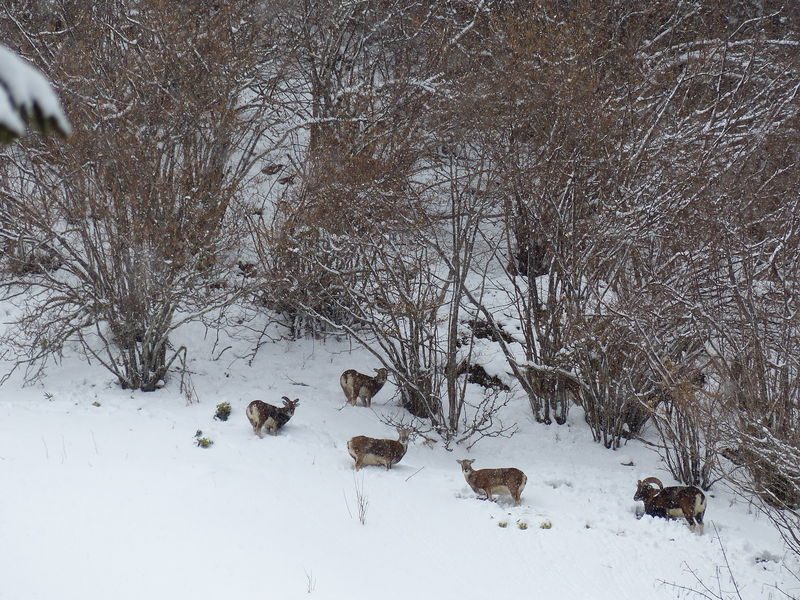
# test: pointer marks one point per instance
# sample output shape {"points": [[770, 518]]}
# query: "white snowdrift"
{"points": [[115, 501]]}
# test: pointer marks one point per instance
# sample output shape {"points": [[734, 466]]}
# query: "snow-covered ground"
{"points": [[115, 501]]}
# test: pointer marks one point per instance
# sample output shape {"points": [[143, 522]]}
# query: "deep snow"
{"points": [[116, 501]]}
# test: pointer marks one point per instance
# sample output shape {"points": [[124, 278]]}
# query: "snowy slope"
{"points": [[115, 501]]}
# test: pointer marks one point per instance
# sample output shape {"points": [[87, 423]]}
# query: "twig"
{"points": [[414, 473], [221, 352], [311, 582], [705, 591], [362, 502], [725, 556], [347, 504], [293, 382]]}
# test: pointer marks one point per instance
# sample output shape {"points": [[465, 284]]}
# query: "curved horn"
{"points": [[285, 398], [655, 480]]}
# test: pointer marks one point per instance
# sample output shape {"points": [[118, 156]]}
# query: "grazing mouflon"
{"points": [[672, 502], [356, 385], [260, 414], [487, 481], [370, 451]]}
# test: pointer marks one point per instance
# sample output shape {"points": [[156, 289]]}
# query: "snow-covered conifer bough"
{"points": [[27, 98]]}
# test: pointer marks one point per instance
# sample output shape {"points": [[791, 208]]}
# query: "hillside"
{"points": [[592, 208], [116, 501]]}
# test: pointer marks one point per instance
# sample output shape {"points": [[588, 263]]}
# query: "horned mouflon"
{"points": [[672, 502], [260, 414], [370, 451], [356, 385]]}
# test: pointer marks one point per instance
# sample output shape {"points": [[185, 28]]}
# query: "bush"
{"points": [[201, 441], [223, 411]]}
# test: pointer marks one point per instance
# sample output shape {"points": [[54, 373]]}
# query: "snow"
{"points": [[22, 88], [116, 501]]}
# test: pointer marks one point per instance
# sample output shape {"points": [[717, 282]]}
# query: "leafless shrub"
{"points": [[351, 88], [762, 442], [291, 283], [703, 588], [687, 422], [131, 231], [308, 252], [613, 379], [480, 419], [750, 309], [401, 320], [723, 585], [311, 582], [483, 419], [361, 500]]}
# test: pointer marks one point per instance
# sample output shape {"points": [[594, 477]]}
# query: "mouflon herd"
{"points": [[659, 501]]}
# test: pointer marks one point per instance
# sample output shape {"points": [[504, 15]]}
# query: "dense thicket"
{"points": [[116, 238], [605, 193]]}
